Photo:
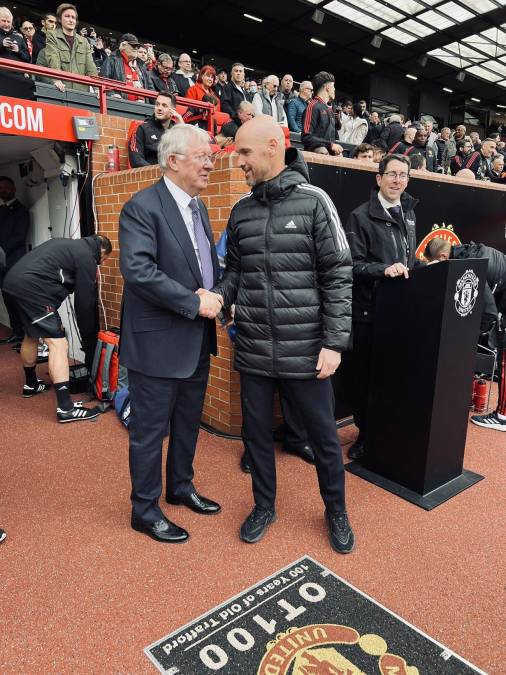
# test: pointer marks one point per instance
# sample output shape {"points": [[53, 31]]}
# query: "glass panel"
{"points": [[416, 28], [484, 74], [436, 20], [480, 5], [339, 9], [407, 6], [450, 59], [374, 8], [495, 66], [399, 36], [455, 11]]}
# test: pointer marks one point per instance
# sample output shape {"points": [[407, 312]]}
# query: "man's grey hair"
{"points": [[272, 79], [175, 141], [244, 105], [5, 11], [394, 118], [164, 57]]}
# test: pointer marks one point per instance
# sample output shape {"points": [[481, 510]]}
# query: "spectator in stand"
{"points": [[184, 76], [318, 120], [161, 75], [143, 145], [418, 162], [245, 112], [48, 22], [298, 105], [146, 55], [286, 91], [465, 174], [221, 81], [393, 131], [269, 101], [475, 140], [465, 158], [345, 112], [380, 150], [28, 31], [354, 129], [440, 148], [405, 145], [497, 174], [431, 134], [202, 91], [363, 152], [12, 44], [252, 90], [451, 146], [99, 53], [487, 153], [375, 128], [421, 147], [124, 66], [363, 109], [68, 51], [233, 92]]}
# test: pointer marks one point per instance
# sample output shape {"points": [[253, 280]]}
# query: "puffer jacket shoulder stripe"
{"points": [[340, 236]]}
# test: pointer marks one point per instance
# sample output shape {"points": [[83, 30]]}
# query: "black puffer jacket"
{"points": [[289, 274]]}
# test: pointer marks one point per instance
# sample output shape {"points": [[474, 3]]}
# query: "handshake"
{"points": [[210, 303]]}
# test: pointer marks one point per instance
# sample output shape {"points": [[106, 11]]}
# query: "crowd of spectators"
{"points": [[326, 125]]}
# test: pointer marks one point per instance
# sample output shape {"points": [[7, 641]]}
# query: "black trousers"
{"points": [[314, 399], [362, 366], [295, 435], [14, 317], [156, 401]]}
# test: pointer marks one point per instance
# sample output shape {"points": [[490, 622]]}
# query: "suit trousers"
{"points": [[155, 402], [314, 399]]}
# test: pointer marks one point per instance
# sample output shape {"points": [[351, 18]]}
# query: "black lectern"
{"points": [[425, 337]]}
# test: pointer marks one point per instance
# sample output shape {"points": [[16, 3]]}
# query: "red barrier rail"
{"points": [[103, 85]]}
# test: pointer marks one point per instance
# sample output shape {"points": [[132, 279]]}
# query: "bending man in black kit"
{"points": [[39, 283]]}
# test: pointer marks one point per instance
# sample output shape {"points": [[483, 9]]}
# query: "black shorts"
{"points": [[39, 320]]}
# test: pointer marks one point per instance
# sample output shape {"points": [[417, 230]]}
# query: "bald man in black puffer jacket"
{"points": [[289, 274]]}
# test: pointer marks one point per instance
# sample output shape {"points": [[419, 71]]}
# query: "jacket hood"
{"points": [[293, 174], [94, 246]]}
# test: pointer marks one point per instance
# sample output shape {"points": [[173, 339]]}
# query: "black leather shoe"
{"points": [[245, 465], [163, 531], [305, 452], [357, 450], [196, 503]]}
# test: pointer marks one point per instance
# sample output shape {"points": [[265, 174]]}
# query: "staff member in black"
{"points": [[169, 263], [381, 234], [14, 224], [289, 274], [39, 283]]}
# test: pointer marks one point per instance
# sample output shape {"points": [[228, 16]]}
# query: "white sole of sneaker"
{"points": [[495, 427], [3, 536], [79, 419]]}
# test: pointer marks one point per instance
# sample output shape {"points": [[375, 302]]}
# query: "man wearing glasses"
{"points": [[382, 239], [169, 264], [269, 101]]}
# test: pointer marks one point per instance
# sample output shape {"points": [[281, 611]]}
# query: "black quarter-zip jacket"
{"points": [[289, 274], [377, 241]]}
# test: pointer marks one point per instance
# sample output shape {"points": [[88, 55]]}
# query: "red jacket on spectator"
{"points": [[202, 91]]}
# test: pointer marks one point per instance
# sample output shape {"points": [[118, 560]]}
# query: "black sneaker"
{"points": [[76, 414], [253, 528], [357, 450], [3, 534], [245, 464], [490, 421], [341, 535], [28, 392]]}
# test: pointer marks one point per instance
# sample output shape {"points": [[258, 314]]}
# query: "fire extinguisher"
{"points": [[480, 395], [113, 158]]}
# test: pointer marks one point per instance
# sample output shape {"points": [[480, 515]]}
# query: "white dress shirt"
{"points": [[183, 200]]}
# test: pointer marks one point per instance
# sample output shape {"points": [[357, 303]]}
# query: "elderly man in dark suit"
{"points": [[168, 262]]}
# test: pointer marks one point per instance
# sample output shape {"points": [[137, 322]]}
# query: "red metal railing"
{"points": [[103, 85]]}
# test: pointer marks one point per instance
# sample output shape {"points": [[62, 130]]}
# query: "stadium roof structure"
{"points": [[433, 41]]}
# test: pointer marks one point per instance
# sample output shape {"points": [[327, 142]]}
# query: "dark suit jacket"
{"points": [[161, 332]]}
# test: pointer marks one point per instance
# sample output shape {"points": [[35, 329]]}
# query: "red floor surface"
{"points": [[83, 593]]}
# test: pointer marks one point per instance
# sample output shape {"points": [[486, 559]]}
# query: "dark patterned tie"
{"points": [[203, 246], [396, 213]]}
